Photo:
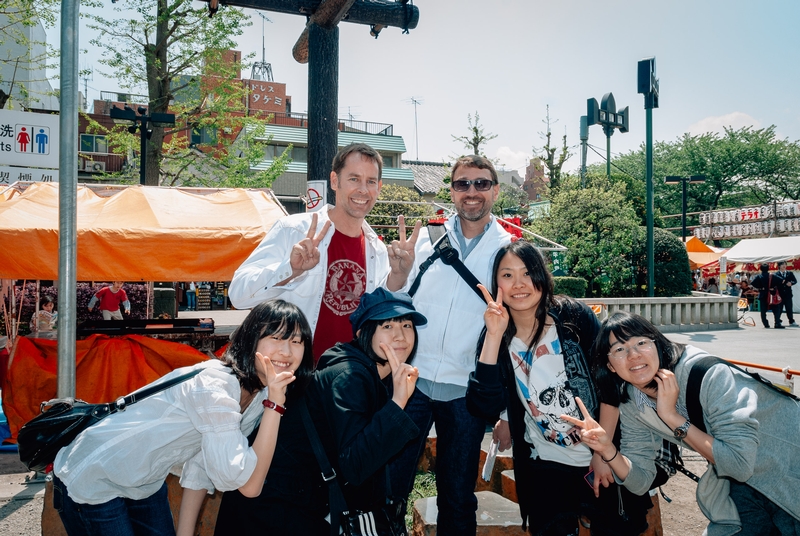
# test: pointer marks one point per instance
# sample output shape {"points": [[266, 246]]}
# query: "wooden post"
{"points": [[323, 98]]}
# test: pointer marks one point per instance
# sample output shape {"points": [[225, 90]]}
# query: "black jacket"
{"points": [[786, 290], [358, 424], [492, 388]]}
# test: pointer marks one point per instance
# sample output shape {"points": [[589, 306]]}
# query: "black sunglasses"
{"points": [[481, 185]]}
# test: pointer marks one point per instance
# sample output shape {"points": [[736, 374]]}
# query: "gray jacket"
{"points": [[756, 440]]}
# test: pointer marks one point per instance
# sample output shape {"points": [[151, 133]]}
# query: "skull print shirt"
{"points": [[543, 386]]}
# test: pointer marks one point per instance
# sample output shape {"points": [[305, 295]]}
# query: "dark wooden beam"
{"points": [[369, 12], [323, 101], [327, 15]]}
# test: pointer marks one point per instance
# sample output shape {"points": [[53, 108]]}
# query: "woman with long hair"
{"points": [[111, 479], [748, 432], [534, 362]]}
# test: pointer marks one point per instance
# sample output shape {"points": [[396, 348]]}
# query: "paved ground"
{"points": [[21, 500]]}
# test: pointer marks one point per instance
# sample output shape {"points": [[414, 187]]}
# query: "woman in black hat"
{"points": [[356, 404]]}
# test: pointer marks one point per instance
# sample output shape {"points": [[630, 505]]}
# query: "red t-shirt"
{"points": [[345, 282], [110, 300]]}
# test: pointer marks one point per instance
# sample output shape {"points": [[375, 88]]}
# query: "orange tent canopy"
{"points": [[701, 254], [106, 368], [136, 233]]}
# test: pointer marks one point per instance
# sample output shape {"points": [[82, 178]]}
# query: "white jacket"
{"points": [[447, 343], [268, 264]]}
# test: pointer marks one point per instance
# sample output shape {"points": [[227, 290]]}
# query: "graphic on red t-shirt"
{"points": [[345, 282], [345, 285]]}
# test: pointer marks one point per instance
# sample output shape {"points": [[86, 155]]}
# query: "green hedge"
{"points": [[571, 286]]}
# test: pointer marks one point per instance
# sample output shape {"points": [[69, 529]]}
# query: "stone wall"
{"points": [[699, 312]]}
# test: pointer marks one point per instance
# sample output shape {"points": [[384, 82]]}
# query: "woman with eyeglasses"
{"points": [[534, 362], [752, 442]]}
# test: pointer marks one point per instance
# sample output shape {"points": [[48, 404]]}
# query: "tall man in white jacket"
{"points": [[324, 261], [447, 345]]}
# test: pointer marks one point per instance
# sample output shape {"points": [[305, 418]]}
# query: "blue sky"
{"points": [[720, 62]]}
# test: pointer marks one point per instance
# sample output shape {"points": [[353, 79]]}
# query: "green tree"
{"points": [[392, 203], [172, 50], [672, 276], [596, 224], [17, 17], [742, 167], [548, 153], [511, 200], [477, 137]]}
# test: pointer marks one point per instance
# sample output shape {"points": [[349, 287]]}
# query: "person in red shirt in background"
{"points": [[110, 299]]}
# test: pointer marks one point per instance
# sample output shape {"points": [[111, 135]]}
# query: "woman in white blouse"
{"points": [[110, 479]]}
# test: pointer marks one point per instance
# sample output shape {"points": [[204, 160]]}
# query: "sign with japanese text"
{"points": [[28, 139], [10, 175], [266, 96]]}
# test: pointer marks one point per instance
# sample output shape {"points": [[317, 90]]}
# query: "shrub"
{"points": [[672, 275], [571, 286]]}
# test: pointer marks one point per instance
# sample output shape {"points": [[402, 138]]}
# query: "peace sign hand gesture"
{"points": [[401, 252], [592, 434], [404, 377], [496, 316], [276, 382], [305, 254]]}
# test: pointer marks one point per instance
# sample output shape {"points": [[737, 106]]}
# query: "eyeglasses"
{"points": [[621, 352], [481, 185]]}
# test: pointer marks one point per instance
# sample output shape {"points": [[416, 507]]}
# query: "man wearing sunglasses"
{"points": [[447, 344]]}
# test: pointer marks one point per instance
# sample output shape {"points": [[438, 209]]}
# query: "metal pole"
{"points": [[142, 148], [683, 214], [68, 198], [584, 134], [649, 208], [608, 156]]}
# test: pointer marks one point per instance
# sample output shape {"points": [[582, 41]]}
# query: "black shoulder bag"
{"points": [[381, 522], [62, 419], [449, 255]]}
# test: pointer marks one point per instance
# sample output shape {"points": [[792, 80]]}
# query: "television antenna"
{"points": [[261, 69], [87, 74], [415, 101]]}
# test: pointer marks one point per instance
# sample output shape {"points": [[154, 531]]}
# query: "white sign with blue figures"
{"points": [[28, 139]]}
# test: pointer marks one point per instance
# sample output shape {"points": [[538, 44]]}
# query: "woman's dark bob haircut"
{"points": [[364, 338], [272, 317], [626, 326]]}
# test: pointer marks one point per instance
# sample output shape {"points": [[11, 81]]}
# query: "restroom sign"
{"points": [[28, 139]]}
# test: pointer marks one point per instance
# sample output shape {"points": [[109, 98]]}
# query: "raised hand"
{"points": [[305, 254], [404, 377], [276, 382], [667, 396], [495, 316], [592, 434], [401, 252]]}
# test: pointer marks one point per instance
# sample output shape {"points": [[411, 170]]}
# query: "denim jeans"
{"points": [[458, 447], [760, 516], [191, 300], [117, 517]]}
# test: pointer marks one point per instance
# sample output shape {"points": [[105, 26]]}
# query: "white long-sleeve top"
{"points": [[254, 281], [196, 423]]}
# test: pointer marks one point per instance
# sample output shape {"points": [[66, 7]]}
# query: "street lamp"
{"points": [[127, 116], [694, 179], [606, 114], [647, 85]]}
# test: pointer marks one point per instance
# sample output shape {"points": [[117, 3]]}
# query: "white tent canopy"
{"points": [[758, 250]]}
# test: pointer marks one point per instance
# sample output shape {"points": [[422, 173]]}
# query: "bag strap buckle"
{"points": [[328, 478], [121, 404]]}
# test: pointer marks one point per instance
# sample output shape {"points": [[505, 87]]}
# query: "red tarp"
{"points": [[106, 368]]}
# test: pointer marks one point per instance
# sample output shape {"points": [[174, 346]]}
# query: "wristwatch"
{"points": [[681, 431]]}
